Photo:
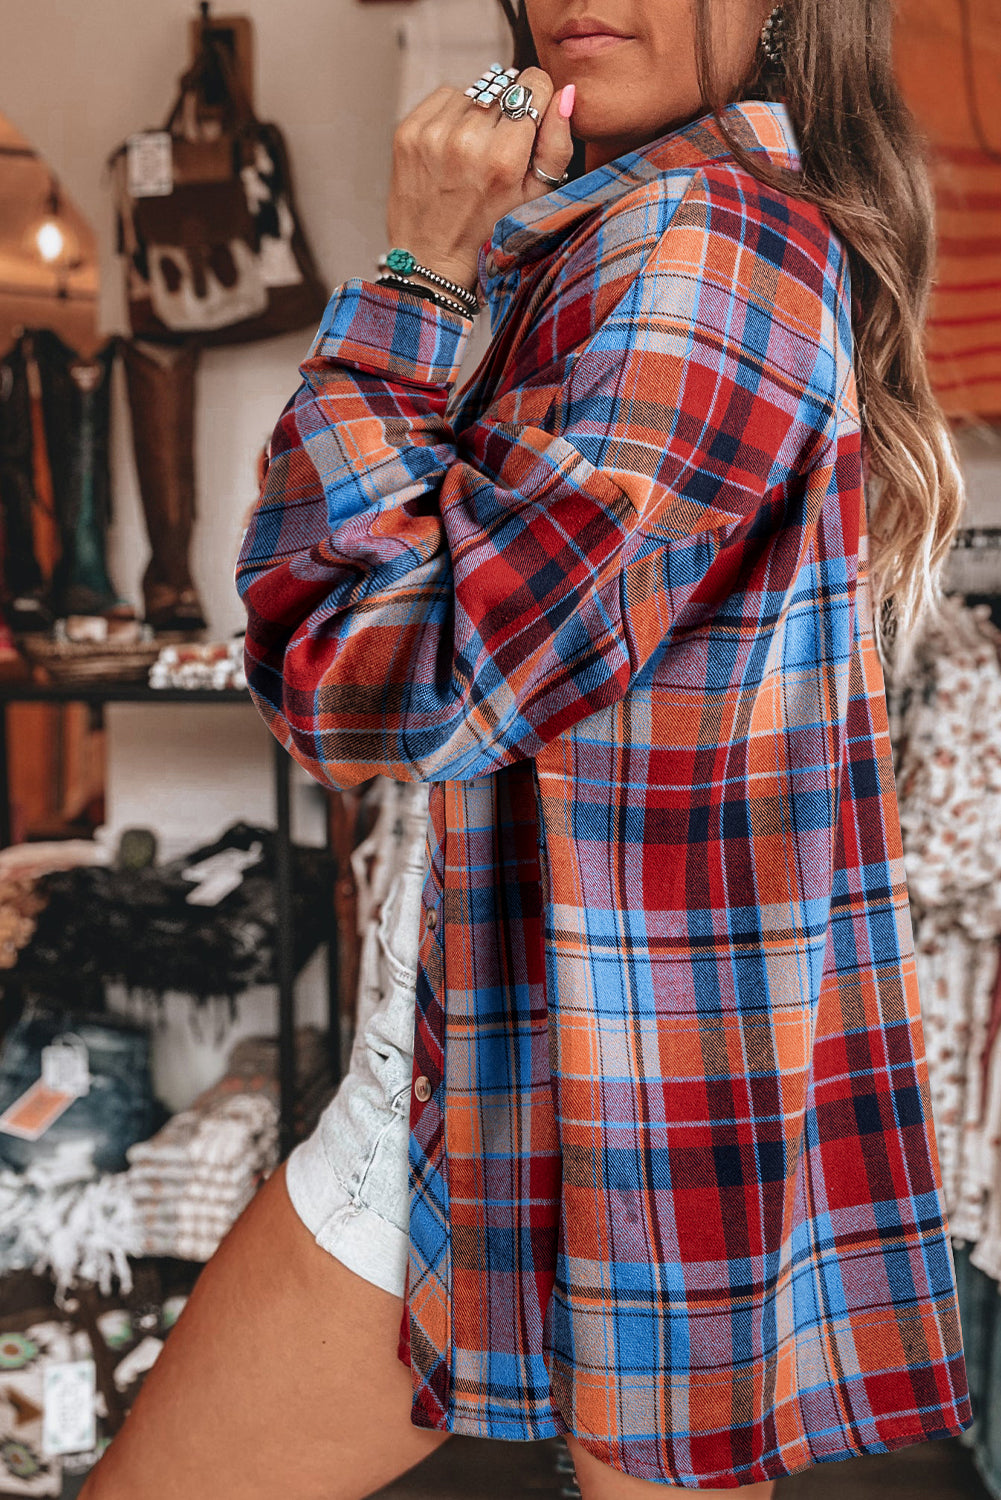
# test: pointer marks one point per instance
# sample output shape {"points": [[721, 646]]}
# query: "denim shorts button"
{"points": [[422, 1088], [431, 918]]}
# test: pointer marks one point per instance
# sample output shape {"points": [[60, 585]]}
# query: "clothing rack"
{"points": [[962, 979]]}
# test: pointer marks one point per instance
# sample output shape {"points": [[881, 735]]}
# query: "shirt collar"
{"points": [[538, 227]]}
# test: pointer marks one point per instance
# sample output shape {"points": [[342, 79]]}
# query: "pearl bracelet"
{"points": [[402, 263]]}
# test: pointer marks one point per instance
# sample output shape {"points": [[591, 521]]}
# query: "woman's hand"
{"points": [[458, 168]]}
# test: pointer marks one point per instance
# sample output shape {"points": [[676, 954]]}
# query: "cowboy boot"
{"points": [[25, 590], [76, 402], [161, 386]]}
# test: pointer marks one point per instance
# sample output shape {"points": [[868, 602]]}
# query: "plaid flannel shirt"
{"points": [[676, 1186]]}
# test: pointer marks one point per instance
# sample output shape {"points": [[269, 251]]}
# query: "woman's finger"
{"points": [[553, 144]]}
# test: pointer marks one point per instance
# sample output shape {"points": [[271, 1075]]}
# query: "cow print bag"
{"points": [[222, 256]]}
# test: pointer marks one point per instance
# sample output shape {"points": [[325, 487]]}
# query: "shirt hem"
{"points": [[514, 1431]]}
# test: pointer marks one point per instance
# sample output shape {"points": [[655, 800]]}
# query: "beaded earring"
{"points": [[773, 37]]}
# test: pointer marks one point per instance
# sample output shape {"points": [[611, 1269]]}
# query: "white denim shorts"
{"points": [[349, 1180]]}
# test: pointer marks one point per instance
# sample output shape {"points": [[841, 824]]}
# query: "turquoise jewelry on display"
{"points": [[491, 84], [403, 265]]}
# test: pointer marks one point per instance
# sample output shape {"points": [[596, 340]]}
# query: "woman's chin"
{"points": [[606, 137], [594, 124], [604, 140], [599, 117]]}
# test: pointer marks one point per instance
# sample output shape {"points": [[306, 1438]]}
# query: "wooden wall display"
{"points": [[948, 61], [236, 34]]}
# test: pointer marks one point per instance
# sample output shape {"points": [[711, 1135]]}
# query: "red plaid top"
{"points": [[675, 1188]]}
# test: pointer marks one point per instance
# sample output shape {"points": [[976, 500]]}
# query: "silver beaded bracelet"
{"points": [[401, 284], [402, 263]]}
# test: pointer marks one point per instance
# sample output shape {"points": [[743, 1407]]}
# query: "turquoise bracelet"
{"points": [[402, 263]]}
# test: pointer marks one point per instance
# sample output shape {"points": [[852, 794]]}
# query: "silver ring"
{"points": [[545, 177], [516, 103]]}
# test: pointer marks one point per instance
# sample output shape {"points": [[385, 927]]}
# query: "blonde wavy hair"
{"points": [[863, 164]]}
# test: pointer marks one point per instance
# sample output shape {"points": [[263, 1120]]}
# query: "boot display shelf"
{"points": [[97, 694]]}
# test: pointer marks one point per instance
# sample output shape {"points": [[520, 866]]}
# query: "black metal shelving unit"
{"points": [[97, 695]]}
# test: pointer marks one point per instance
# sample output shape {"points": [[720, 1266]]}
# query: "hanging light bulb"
{"points": [[49, 236], [50, 240]]}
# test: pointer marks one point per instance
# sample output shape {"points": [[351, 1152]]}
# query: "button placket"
{"points": [[423, 1088]]}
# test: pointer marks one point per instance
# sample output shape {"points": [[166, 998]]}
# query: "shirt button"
{"points": [[431, 918], [490, 265], [422, 1088]]}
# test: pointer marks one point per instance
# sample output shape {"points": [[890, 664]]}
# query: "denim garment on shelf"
{"points": [[119, 1108]]}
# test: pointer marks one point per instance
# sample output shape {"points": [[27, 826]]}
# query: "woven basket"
{"points": [[89, 661]]}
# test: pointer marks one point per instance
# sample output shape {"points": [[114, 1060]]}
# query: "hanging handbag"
{"points": [[222, 256]]}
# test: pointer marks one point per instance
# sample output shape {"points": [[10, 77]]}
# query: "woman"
{"points": [[673, 1188]]}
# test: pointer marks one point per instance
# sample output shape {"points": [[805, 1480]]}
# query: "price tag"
{"points": [[150, 156], [30, 1115], [69, 1423], [66, 1066]]}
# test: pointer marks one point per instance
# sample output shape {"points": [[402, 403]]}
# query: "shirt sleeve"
{"points": [[434, 605]]}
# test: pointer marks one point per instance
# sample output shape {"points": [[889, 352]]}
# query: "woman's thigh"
{"points": [[598, 1481], [280, 1377]]}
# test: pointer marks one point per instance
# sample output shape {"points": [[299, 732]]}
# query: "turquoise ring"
{"points": [[516, 103]]}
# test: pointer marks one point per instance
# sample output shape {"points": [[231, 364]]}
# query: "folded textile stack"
{"points": [[192, 1180]]}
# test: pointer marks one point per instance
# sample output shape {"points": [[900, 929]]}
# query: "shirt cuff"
{"points": [[391, 333]]}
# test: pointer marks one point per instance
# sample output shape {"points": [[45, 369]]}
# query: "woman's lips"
{"points": [[586, 46]]}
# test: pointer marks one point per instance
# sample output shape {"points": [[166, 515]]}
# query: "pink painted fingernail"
{"points": [[566, 101]]}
